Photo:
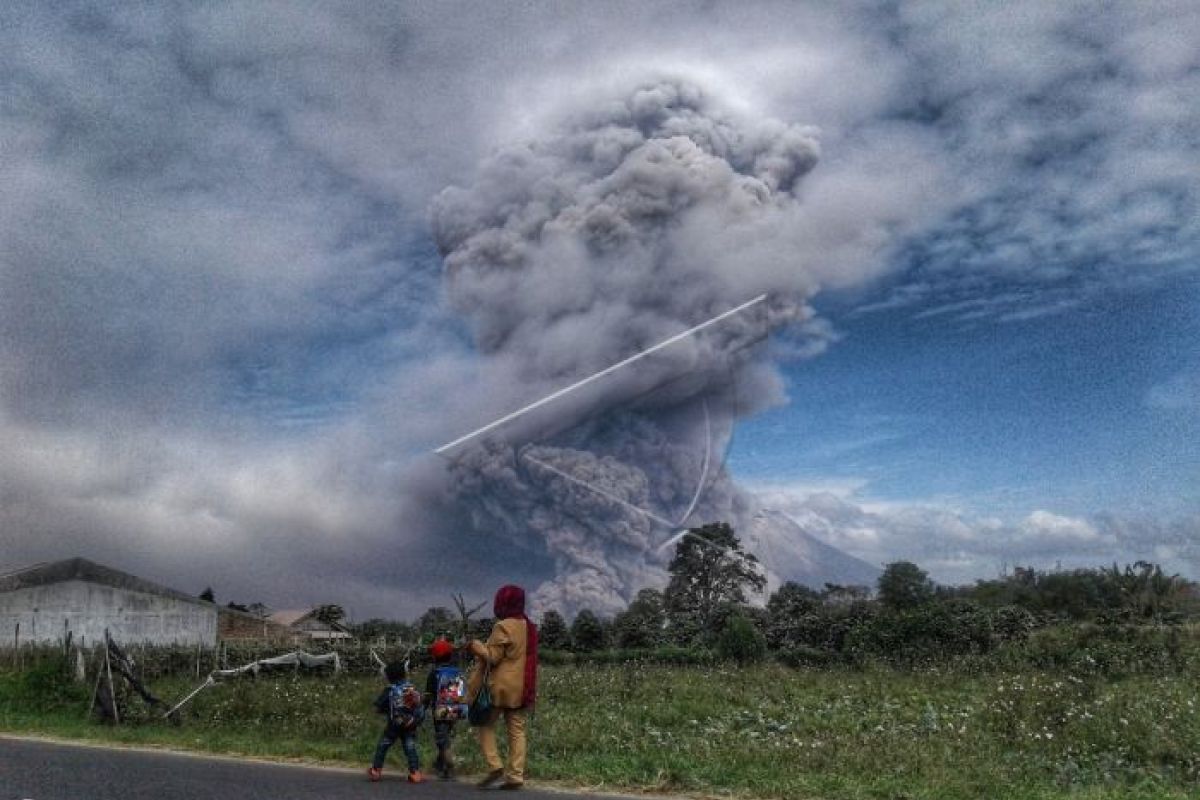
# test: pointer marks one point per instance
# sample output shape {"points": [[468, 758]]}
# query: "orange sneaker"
{"points": [[416, 777], [374, 773]]}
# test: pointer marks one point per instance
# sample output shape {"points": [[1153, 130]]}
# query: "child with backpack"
{"points": [[446, 695], [401, 702]]}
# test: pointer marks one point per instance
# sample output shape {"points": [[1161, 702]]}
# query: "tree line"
{"points": [[905, 616], [705, 610]]}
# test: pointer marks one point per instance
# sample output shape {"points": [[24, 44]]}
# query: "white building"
{"points": [[45, 602]]}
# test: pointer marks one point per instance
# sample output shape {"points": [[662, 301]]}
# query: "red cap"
{"points": [[441, 649]]}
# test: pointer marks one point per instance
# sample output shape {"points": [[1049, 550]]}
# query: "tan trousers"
{"points": [[514, 722]]}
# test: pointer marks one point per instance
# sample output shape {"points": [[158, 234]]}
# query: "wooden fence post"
{"points": [[79, 668], [95, 689], [111, 691]]}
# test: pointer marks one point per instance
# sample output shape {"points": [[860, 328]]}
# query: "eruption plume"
{"points": [[632, 222]]}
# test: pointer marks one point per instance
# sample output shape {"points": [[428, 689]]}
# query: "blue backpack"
{"points": [[450, 702], [404, 705]]}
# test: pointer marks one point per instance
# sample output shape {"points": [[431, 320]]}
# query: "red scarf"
{"points": [[510, 604]]}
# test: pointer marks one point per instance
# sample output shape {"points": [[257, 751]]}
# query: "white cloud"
{"points": [[1180, 392], [958, 546], [1043, 528], [779, 494]]}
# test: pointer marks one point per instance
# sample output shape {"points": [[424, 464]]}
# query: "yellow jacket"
{"points": [[505, 652]]}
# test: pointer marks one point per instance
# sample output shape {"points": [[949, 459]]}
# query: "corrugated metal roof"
{"points": [[80, 569], [305, 622]]}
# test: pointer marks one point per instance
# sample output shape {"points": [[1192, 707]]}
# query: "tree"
{"points": [[553, 633], [788, 610], [377, 628], [1149, 591], [481, 628], [437, 621], [331, 614], [709, 570], [903, 585], [464, 615], [840, 596], [259, 610], [641, 625], [208, 595], [587, 633]]}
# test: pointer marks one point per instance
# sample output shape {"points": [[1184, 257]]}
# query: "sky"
{"points": [[227, 345]]}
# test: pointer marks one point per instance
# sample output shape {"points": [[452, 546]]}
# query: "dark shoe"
{"points": [[490, 778], [511, 785]]}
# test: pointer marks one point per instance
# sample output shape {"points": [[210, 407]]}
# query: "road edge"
{"points": [[556, 787]]}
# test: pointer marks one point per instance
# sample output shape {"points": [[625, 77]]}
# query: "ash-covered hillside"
{"points": [[789, 553]]}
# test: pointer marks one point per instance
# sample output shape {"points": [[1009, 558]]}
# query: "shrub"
{"points": [[555, 657], [1110, 651], [801, 655], [44, 685], [740, 641]]}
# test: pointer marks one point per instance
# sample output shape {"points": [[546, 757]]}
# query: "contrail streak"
{"points": [[679, 537], [636, 509], [708, 444], [565, 476], [597, 376]]}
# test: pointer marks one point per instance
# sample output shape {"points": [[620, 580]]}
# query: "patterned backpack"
{"points": [[404, 705], [450, 703]]}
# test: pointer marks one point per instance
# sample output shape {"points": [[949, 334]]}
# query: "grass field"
{"points": [[764, 731]]}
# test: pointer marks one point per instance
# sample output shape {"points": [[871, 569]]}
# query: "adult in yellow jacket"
{"points": [[510, 657]]}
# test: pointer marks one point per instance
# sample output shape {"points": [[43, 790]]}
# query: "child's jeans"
{"points": [[443, 732], [408, 740]]}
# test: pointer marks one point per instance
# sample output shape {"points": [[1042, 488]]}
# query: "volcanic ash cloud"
{"points": [[634, 220]]}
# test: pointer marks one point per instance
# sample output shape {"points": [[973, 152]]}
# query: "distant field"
{"points": [[763, 731]]}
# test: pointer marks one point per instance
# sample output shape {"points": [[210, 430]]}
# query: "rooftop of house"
{"points": [[294, 617], [80, 569]]}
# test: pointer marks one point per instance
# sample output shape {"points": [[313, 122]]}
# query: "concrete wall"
{"points": [[46, 613]]}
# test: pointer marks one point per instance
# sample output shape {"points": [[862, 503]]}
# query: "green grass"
{"points": [[764, 731]]}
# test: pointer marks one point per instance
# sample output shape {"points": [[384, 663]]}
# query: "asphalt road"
{"points": [[38, 770]]}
